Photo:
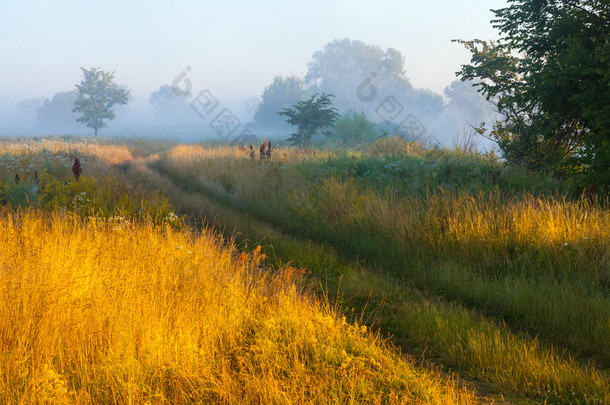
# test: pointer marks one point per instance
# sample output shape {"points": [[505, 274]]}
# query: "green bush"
{"points": [[105, 197], [354, 128], [19, 193]]}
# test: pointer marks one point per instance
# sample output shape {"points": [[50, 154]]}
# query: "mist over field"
{"points": [[305, 202], [167, 58], [358, 79]]}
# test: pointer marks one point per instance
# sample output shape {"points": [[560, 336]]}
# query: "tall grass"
{"points": [[537, 262], [99, 312], [504, 287], [47, 181], [107, 152]]}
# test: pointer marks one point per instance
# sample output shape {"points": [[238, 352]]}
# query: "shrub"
{"points": [[395, 146], [354, 128], [19, 193]]}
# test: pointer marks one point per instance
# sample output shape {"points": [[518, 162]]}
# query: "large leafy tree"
{"points": [[97, 95], [342, 65], [310, 117], [362, 75], [549, 77], [282, 93]]}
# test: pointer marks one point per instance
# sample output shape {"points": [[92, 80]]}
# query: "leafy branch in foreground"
{"points": [[554, 94]]}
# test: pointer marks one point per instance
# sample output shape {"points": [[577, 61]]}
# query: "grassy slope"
{"points": [[459, 336], [105, 310]]}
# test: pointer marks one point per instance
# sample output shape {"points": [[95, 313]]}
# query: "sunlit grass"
{"points": [[28, 158], [502, 287], [191, 154], [109, 153], [537, 262], [98, 312]]}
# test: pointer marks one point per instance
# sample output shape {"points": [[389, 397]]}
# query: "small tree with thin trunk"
{"points": [[310, 117], [97, 95]]}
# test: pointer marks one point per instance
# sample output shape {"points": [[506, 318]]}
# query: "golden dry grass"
{"points": [[108, 153], [191, 154], [27, 157], [539, 263], [103, 312]]}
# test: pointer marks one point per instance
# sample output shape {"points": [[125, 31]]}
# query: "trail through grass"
{"points": [[478, 349], [134, 308]]}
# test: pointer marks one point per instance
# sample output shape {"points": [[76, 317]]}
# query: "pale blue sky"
{"points": [[234, 47]]}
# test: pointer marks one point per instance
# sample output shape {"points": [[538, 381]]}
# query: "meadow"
{"points": [[384, 274]]}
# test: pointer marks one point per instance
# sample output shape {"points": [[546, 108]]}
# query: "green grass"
{"points": [[445, 264], [128, 309], [494, 277]]}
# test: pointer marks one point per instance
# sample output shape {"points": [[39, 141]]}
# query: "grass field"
{"points": [[185, 273]]}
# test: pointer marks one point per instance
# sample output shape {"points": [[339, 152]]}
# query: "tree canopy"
{"points": [[549, 77], [168, 105], [96, 97], [342, 66], [361, 76], [282, 93], [310, 117]]}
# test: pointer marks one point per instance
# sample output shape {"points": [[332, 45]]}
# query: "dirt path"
{"points": [[249, 231]]}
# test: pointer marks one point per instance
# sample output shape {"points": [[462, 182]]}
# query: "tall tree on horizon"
{"points": [[97, 95], [343, 65]]}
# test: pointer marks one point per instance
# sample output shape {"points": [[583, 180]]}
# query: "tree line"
{"points": [[548, 78]]}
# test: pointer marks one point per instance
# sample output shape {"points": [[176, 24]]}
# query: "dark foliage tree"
{"points": [[96, 97], [549, 76], [311, 117]]}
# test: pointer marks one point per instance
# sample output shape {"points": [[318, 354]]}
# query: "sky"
{"points": [[234, 48]]}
